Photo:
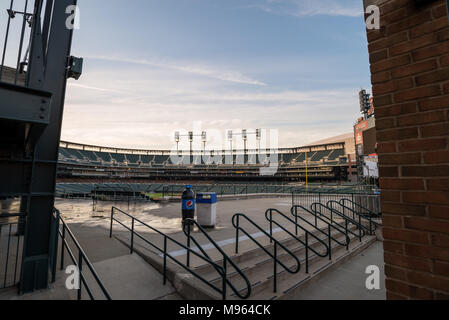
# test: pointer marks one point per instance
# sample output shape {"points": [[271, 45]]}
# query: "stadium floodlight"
{"points": [[245, 134], [204, 136], [177, 136], [230, 135], [191, 136], [258, 134]]}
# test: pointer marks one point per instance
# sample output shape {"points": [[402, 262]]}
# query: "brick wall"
{"points": [[409, 59]]}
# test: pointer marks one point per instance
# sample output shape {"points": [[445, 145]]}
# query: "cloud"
{"points": [[224, 75], [299, 8]]}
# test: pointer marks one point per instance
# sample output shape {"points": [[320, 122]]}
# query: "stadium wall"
{"points": [[409, 59]]}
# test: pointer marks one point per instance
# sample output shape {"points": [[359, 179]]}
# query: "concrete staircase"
{"points": [[258, 267]]}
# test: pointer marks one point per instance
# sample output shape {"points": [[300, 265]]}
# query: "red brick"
{"points": [[433, 77], [397, 134], [390, 63], [397, 109], [392, 221], [385, 123], [438, 184], [440, 212], [390, 196], [401, 184], [400, 158], [429, 52], [395, 296], [409, 290], [436, 197], [437, 130], [434, 104], [424, 251], [386, 147], [378, 56], [414, 20], [441, 268], [422, 145], [405, 235], [411, 45], [394, 272], [403, 209], [393, 86], [440, 240], [444, 61], [422, 118], [387, 42], [407, 262], [439, 11], [430, 27], [388, 171], [436, 157], [417, 93], [425, 171], [380, 77], [426, 224], [428, 280], [413, 69]]}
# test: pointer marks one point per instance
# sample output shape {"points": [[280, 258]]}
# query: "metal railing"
{"points": [[368, 201], [221, 269], [10, 250], [226, 260], [17, 40], [79, 261], [362, 209], [356, 216], [318, 208], [333, 226], [307, 235], [236, 223]]}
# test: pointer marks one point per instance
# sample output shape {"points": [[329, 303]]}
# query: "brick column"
{"points": [[409, 59]]}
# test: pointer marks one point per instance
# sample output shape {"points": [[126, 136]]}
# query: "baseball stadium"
{"points": [[98, 204]]}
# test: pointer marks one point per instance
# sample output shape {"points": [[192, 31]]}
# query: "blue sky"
{"points": [[155, 66]]}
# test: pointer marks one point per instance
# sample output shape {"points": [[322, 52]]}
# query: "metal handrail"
{"points": [[166, 255], [347, 220], [329, 226], [82, 258], [274, 256], [360, 216], [187, 231], [269, 217], [370, 212]]}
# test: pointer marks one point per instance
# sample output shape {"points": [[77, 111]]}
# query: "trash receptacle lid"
{"points": [[206, 197]]}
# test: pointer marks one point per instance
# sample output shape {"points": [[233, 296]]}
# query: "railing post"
{"points": [[330, 241], [132, 236], [275, 275], [346, 226], [225, 272], [188, 244], [165, 261], [237, 235], [296, 220], [307, 252], [112, 221], [360, 227], [271, 226], [62, 246]]}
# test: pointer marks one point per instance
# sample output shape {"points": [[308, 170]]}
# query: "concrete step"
{"points": [[260, 274]]}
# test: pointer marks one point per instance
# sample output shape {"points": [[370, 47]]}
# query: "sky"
{"points": [[152, 67]]}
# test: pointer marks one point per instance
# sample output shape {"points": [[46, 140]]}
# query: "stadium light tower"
{"points": [[258, 138], [177, 139], [191, 142], [204, 139]]}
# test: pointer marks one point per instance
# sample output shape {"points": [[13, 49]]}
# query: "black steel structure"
{"points": [[31, 110]]}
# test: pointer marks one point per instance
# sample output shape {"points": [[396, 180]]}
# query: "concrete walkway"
{"points": [[347, 282]]}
